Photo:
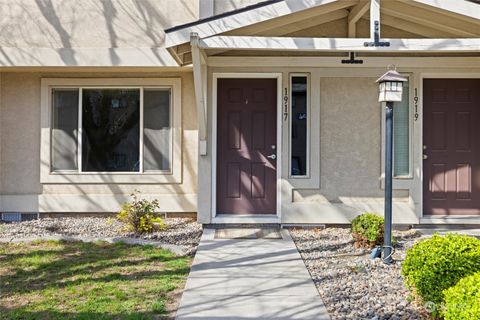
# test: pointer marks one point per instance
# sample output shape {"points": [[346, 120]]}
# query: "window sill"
{"points": [[110, 178], [402, 178], [399, 183]]}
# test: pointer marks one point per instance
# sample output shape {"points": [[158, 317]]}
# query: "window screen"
{"points": [[64, 129], [156, 129], [401, 135]]}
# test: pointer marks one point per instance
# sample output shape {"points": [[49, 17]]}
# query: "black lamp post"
{"points": [[390, 91]]}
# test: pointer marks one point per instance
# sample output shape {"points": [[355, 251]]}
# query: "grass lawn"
{"points": [[76, 280]]}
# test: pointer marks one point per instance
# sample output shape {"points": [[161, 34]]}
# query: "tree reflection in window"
{"points": [[111, 130], [299, 128]]}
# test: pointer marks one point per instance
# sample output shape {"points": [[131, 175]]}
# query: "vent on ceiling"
{"points": [[18, 217]]}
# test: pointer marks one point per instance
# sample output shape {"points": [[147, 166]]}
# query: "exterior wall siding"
{"points": [[348, 180], [20, 187], [67, 24], [221, 6], [350, 157]]}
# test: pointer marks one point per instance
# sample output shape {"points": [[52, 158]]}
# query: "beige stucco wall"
{"points": [[350, 138], [58, 33], [350, 158], [220, 6], [91, 23], [20, 187], [345, 179]]}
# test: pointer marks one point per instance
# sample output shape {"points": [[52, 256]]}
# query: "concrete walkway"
{"points": [[249, 279]]}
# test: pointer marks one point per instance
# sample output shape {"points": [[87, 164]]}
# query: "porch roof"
{"points": [[440, 27], [431, 26]]}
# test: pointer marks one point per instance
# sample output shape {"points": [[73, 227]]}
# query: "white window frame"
{"points": [[290, 118], [398, 179], [173, 175]]}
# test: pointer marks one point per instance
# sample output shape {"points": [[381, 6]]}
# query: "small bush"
{"points": [[435, 264], [367, 230], [462, 301], [140, 215]]}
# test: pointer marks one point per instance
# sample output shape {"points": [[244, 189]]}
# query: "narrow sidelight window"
{"points": [[64, 129], [299, 125], [401, 134], [111, 130], [156, 129]]}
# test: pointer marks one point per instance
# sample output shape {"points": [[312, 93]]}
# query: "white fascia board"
{"points": [[241, 19], [464, 8], [339, 44], [329, 62], [85, 57]]}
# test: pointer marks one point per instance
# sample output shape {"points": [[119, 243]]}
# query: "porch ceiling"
{"points": [[405, 19]]}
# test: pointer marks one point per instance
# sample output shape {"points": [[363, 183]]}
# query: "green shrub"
{"points": [[462, 301], [435, 264], [367, 230], [140, 215]]}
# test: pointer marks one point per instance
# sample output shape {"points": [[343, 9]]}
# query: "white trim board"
{"points": [[215, 77], [308, 125], [86, 57], [174, 175], [338, 44], [368, 62]]}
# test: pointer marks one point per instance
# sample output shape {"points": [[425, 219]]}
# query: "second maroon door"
{"points": [[246, 146], [451, 138]]}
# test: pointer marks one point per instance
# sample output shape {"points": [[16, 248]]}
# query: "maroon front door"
{"points": [[451, 138], [246, 146]]}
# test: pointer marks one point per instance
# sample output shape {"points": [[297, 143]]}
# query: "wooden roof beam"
{"points": [[412, 27], [308, 23], [374, 18], [355, 14], [468, 11], [318, 12], [427, 19], [266, 15]]}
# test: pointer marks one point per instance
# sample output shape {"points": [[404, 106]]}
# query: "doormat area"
{"points": [[247, 233]]}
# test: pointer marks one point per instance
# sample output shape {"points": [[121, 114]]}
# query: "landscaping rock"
{"points": [[352, 285], [181, 235]]}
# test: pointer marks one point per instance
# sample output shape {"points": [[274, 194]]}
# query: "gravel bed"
{"points": [[180, 231], [352, 285]]}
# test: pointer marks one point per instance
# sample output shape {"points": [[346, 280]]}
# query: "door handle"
{"points": [[272, 156], [425, 157]]}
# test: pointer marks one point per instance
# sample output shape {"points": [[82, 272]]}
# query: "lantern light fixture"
{"points": [[391, 86]]}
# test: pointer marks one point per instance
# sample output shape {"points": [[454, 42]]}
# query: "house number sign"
{"points": [[285, 105], [415, 105]]}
